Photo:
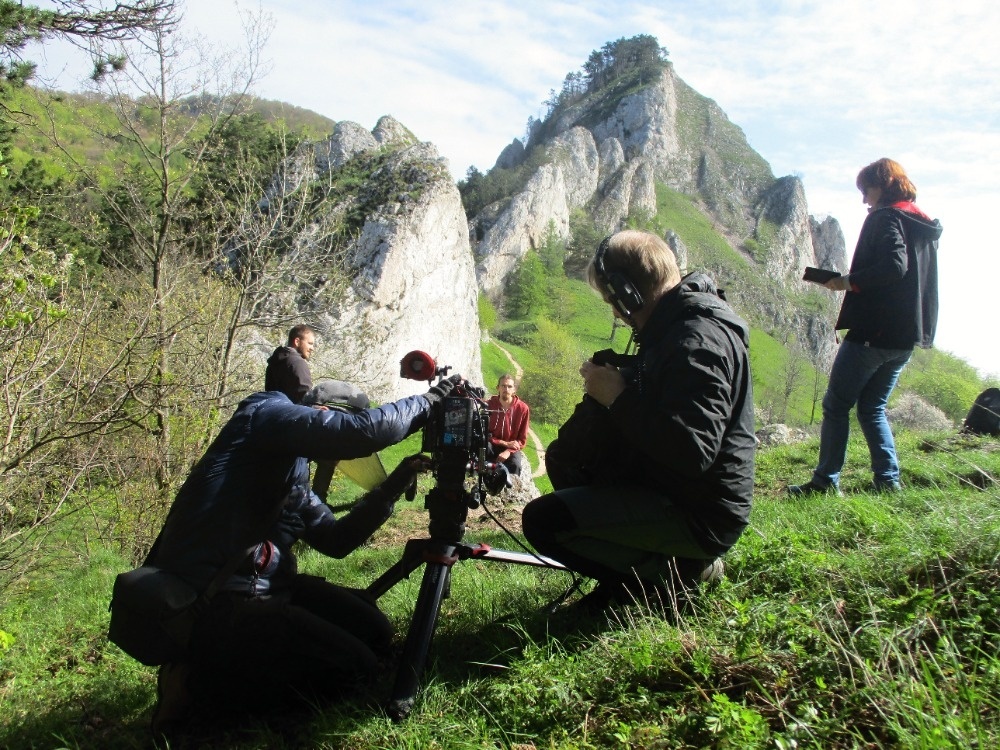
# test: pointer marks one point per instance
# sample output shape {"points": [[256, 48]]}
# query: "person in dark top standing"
{"points": [[890, 306], [288, 366], [675, 482], [509, 421]]}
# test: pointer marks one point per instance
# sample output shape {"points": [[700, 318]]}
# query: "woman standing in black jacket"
{"points": [[891, 306]]}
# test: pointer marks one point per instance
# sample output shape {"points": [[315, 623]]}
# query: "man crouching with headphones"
{"points": [[652, 523]]}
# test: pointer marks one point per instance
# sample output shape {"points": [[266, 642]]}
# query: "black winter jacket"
{"points": [[893, 303], [287, 371], [260, 460], [687, 417]]}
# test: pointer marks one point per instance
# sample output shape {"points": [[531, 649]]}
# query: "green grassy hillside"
{"points": [[78, 118], [864, 621]]}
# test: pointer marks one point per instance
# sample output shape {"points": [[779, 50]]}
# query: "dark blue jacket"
{"points": [[260, 460]]}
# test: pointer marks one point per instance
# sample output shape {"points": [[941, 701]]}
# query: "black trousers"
{"points": [[314, 640], [515, 462]]}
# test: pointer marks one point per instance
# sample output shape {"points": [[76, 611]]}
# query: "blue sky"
{"points": [[819, 88]]}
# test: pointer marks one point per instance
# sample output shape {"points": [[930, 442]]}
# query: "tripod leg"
{"points": [[413, 558], [418, 639]]}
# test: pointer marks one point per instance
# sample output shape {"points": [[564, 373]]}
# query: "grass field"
{"points": [[866, 621]]}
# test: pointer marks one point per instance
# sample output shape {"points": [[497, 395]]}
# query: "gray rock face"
{"points": [[511, 156], [568, 181], [522, 226], [791, 249], [348, 140], [645, 124], [411, 283], [390, 132], [611, 168], [665, 133], [414, 288], [828, 244]]}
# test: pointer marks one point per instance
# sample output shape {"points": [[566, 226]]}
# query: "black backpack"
{"points": [[984, 416]]}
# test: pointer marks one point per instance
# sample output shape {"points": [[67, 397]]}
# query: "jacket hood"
{"points": [[698, 295], [918, 222], [281, 353]]}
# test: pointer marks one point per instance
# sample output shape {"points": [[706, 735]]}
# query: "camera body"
{"points": [[457, 437], [456, 425]]}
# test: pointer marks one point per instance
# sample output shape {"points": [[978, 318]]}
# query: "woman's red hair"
{"points": [[890, 178]]}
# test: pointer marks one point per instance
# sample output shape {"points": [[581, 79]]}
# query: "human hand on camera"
{"points": [[603, 383], [442, 389], [404, 477], [839, 284]]}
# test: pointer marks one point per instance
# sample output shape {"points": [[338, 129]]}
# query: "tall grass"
{"points": [[865, 621]]}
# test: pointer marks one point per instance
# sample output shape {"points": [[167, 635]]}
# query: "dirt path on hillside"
{"points": [[539, 447]]}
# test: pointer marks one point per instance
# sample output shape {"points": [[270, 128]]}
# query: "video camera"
{"points": [[457, 434]]}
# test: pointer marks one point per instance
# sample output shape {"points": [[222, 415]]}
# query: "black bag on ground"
{"points": [[152, 615], [984, 416]]}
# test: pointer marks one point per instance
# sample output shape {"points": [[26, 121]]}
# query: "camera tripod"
{"points": [[448, 504]]}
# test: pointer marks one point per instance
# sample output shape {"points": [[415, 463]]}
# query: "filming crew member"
{"points": [[288, 366], [271, 633], [669, 490]]}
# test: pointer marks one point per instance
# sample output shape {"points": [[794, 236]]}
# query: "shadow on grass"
{"points": [[119, 719], [99, 719]]}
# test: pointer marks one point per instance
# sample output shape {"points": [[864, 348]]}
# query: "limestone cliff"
{"points": [[400, 275]]}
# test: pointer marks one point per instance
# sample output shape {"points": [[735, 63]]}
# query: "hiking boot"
{"points": [[173, 697], [813, 488], [692, 571]]}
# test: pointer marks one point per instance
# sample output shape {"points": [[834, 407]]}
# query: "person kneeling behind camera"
{"points": [[653, 474], [272, 634]]}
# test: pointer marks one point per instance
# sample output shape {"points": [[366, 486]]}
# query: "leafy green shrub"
{"points": [[527, 288], [549, 386], [518, 332]]}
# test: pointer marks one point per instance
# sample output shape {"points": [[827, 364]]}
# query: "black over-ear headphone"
{"points": [[621, 291]]}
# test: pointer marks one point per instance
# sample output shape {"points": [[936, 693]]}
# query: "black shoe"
{"points": [[812, 488], [605, 594]]}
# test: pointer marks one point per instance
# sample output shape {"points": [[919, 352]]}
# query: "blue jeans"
{"points": [[865, 376]]}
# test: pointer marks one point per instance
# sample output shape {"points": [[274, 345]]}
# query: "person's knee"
{"points": [[871, 412], [834, 405], [543, 518], [517, 463]]}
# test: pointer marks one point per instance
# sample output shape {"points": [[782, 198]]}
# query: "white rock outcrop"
{"points": [[521, 227], [411, 279]]}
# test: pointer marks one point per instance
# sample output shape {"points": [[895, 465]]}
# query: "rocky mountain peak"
{"points": [[606, 156]]}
